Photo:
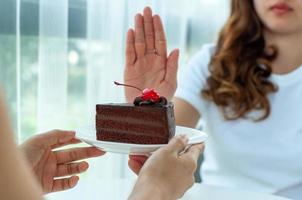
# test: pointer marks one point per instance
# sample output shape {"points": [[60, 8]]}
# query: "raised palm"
{"points": [[147, 63]]}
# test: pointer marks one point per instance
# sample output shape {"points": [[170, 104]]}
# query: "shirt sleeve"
{"points": [[192, 78]]}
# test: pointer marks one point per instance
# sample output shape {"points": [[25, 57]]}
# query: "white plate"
{"points": [[87, 134]]}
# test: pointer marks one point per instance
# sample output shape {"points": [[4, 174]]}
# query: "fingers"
{"points": [[177, 144], [71, 169], [172, 66], [160, 38], [149, 35], [75, 154], [56, 138], [64, 184], [136, 162], [149, 30], [194, 152], [135, 166], [190, 157], [130, 48], [139, 159], [72, 141], [140, 45]]}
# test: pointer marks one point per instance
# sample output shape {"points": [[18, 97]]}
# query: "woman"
{"points": [[18, 182], [247, 87]]}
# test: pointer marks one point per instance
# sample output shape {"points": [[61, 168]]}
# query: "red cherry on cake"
{"points": [[147, 94]]}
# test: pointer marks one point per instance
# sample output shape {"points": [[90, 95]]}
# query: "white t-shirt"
{"points": [[263, 156]]}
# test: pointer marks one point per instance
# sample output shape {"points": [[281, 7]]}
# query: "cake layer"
{"points": [[112, 136], [127, 127], [144, 113], [135, 124]]}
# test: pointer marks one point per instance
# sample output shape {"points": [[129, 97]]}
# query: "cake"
{"points": [[148, 120]]}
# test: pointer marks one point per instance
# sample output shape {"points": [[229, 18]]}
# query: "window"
{"points": [[58, 58]]}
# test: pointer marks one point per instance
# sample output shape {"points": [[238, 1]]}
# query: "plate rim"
{"points": [[205, 135]]}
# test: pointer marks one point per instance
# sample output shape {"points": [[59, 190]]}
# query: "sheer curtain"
{"points": [[52, 64], [53, 77]]}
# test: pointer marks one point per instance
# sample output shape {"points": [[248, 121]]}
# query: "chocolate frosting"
{"points": [[140, 102]]}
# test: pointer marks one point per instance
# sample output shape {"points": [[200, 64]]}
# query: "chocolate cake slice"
{"points": [[144, 122]]}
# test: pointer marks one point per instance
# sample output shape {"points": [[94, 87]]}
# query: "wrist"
{"points": [[147, 188]]}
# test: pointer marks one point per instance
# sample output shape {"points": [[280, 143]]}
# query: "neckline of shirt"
{"points": [[284, 79]]}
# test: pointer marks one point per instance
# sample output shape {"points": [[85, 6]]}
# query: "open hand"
{"points": [[147, 63], [49, 165]]}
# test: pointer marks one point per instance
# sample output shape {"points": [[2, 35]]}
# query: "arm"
{"points": [[185, 113], [147, 190], [16, 179]]}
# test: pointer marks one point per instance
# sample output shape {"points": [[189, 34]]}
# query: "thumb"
{"points": [[172, 66], [177, 144], [194, 152], [57, 138]]}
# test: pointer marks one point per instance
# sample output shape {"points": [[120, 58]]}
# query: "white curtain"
{"points": [[54, 91], [52, 64]]}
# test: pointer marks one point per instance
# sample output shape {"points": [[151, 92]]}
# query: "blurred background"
{"points": [[58, 58]]}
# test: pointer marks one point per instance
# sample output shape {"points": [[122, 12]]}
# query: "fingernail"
{"points": [[71, 133], [83, 166], [137, 16], [73, 181]]}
